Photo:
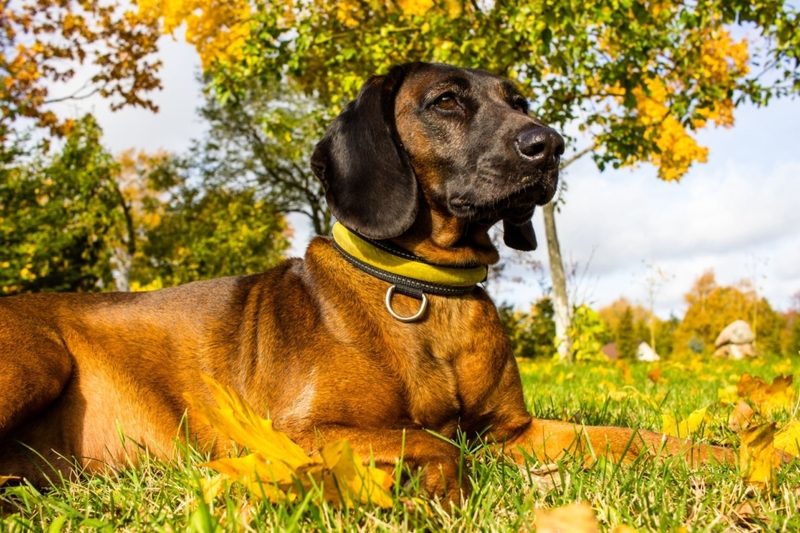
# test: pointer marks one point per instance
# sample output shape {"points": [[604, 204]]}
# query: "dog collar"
{"points": [[407, 273]]}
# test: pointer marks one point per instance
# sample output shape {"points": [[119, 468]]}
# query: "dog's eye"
{"points": [[520, 104], [447, 101]]}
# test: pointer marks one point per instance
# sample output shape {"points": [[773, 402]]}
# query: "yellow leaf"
{"points": [[278, 468], [787, 439], [4, 479], [766, 399], [686, 428], [757, 459], [575, 518]]}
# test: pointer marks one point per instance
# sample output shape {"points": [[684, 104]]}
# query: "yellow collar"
{"points": [[383, 260]]}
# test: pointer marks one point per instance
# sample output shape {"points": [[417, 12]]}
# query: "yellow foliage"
{"points": [[686, 428], [722, 60], [218, 29], [277, 465], [415, 7], [757, 459]]}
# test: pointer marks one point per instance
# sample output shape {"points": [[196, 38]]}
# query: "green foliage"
{"points": [[626, 336], [665, 336], [532, 334], [587, 331], [794, 342], [209, 233], [57, 216], [262, 139], [83, 221], [583, 62]]}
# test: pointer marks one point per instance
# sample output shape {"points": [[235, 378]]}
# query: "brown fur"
{"points": [[309, 342]]}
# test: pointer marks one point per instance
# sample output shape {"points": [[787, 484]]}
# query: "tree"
{"points": [[261, 139], [42, 43], [57, 217], [626, 337], [712, 307], [209, 233], [638, 78], [532, 334], [179, 229]]}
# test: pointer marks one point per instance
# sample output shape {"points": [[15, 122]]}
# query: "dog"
{"points": [[382, 335]]}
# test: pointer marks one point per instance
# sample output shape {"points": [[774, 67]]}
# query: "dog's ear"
{"points": [[519, 236], [369, 183]]}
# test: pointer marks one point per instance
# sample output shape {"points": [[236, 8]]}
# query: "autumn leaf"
{"points": [[654, 375], [278, 468], [764, 398], [740, 417], [671, 426], [575, 518], [787, 439], [5, 479], [757, 459]]}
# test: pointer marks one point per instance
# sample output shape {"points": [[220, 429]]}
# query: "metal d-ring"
{"points": [[413, 318]]}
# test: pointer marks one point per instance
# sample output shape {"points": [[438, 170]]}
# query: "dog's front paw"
{"points": [[442, 478]]}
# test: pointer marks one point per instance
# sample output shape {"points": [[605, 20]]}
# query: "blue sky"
{"points": [[738, 214]]}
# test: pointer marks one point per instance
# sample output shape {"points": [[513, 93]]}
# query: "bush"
{"points": [[532, 334]]}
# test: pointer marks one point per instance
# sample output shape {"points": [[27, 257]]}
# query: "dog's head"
{"points": [[436, 152]]}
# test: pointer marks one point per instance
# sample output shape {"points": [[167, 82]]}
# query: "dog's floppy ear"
{"points": [[520, 235], [369, 183]]}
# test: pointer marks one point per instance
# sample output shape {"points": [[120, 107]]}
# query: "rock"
{"points": [[737, 332], [736, 351], [645, 353]]}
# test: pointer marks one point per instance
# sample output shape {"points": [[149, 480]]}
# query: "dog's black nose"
{"points": [[543, 146]]}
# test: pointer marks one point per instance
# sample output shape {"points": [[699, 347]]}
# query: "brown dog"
{"points": [[425, 161]]}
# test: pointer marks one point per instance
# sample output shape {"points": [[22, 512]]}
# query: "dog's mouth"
{"points": [[530, 191]]}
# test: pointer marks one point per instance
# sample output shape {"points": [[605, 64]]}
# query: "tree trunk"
{"points": [[560, 300]]}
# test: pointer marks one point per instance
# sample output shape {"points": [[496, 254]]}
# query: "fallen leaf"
{"points": [[787, 439], [764, 398], [654, 375], [671, 426], [277, 469], [740, 417], [5, 479], [574, 518], [757, 459]]}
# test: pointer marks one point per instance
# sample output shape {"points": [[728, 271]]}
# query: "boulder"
{"points": [[645, 353], [737, 332], [736, 351], [736, 341]]}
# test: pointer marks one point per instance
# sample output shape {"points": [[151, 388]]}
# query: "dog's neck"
{"points": [[436, 236]]}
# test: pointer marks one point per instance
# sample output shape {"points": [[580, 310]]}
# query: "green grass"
{"points": [[646, 495]]}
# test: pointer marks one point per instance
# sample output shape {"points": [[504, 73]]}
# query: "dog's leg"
{"points": [[549, 440], [439, 460], [34, 367], [517, 433]]}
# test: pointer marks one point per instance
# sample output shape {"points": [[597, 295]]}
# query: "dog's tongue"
{"points": [[519, 236]]}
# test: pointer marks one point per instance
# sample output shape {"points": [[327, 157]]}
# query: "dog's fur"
{"points": [[428, 157]]}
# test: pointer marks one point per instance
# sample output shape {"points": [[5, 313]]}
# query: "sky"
{"points": [[738, 214]]}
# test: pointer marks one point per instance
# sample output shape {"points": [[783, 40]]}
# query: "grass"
{"points": [[645, 495]]}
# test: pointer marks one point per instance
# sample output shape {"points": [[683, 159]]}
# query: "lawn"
{"points": [[644, 496]]}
